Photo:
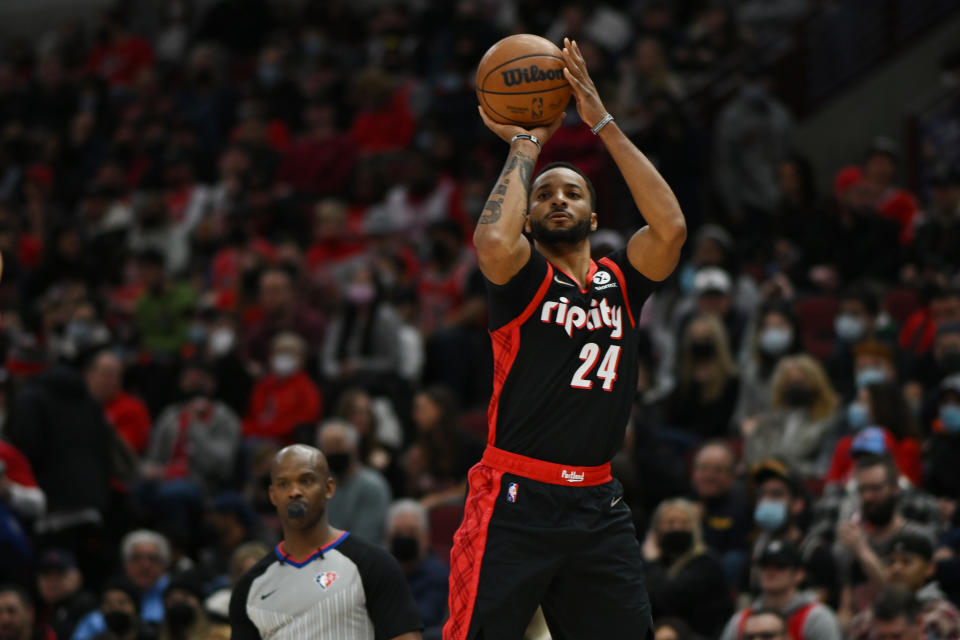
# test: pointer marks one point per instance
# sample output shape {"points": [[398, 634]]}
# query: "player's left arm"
{"points": [[655, 249]]}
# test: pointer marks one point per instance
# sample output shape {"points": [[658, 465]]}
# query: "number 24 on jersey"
{"points": [[607, 372]]}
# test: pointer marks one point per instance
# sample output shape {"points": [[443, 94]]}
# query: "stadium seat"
{"points": [[444, 521], [816, 314], [900, 303]]}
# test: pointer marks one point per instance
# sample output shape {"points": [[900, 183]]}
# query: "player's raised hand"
{"points": [[507, 131], [589, 105]]}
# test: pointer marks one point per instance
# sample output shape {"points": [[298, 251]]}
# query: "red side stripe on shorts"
{"points": [[469, 543], [613, 266], [506, 345]]}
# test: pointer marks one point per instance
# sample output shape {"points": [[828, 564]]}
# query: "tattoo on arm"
{"points": [[492, 210]]}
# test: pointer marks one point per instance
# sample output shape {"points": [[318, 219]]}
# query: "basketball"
{"points": [[520, 81]]}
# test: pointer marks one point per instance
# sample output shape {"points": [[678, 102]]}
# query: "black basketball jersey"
{"points": [[565, 359]]}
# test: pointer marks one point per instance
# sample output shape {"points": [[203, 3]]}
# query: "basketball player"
{"points": [[544, 522], [320, 582]]}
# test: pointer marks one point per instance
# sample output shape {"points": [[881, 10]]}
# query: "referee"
{"points": [[320, 582]]}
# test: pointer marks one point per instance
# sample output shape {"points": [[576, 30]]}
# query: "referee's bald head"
{"points": [[300, 454]]}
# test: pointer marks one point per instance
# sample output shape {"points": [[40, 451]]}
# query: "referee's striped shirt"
{"points": [[347, 590]]}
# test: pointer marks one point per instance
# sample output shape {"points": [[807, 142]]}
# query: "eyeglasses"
{"points": [[146, 557], [761, 635]]}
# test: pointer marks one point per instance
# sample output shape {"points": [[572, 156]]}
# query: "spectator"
{"points": [[196, 439], [320, 162], [940, 307], [683, 578], [161, 312], [879, 168], [21, 500], [236, 526], [896, 613], [120, 610], [723, 502], [799, 420], [282, 310], [119, 55], [937, 234], [909, 564], [879, 404], [777, 335], [856, 323], [363, 496], [672, 629], [244, 557], [18, 619], [221, 352], [184, 618], [146, 559], [286, 398], [381, 435], [125, 412], [437, 461], [766, 623], [707, 380], [60, 587], [408, 538], [941, 473], [781, 575]]}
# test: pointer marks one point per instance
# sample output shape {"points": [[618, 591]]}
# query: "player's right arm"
{"points": [[501, 247]]}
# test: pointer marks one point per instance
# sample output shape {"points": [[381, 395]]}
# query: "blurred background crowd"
{"points": [[232, 225]]}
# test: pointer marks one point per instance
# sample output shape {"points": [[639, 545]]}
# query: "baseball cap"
{"points": [[846, 178], [915, 543], [56, 560], [768, 468], [869, 440], [711, 280], [780, 553]]}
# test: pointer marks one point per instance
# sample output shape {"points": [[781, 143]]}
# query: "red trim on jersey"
{"points": [[506, 344], [469, 544], [618, 274], [543, 471], [590, 272]]}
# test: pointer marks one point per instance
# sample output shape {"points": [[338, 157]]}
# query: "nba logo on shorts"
{"points": [[512, 492]]}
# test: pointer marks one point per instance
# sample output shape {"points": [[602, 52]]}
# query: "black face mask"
{"points": [[676, 543], [405, 548], [180, 615], [703, 349], [881, 514], [798, 396], [338, 463], [119, 622]]}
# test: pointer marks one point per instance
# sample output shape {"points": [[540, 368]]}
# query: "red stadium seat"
{"points": [[900, 303], [444, 521], [816, 314]]}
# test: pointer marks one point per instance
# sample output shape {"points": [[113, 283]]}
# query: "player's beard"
{"points": [[571, 235]]}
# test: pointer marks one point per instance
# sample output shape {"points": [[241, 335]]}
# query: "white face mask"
{"points": [[283, 364], [221, 341]]}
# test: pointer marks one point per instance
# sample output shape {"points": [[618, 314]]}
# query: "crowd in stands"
{"points": [[228, 226]]}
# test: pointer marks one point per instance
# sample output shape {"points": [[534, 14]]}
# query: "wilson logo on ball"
{"points": [[533, 73]]}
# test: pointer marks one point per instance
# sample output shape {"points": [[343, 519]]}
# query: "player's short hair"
{"points": [[575, 169]]}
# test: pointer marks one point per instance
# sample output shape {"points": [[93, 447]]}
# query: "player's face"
{"points": [[560, 208], [300, 486]]}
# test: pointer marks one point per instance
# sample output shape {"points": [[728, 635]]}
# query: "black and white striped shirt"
{"points": [[346, 590]]}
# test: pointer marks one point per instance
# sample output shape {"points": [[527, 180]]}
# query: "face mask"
{"points": [[283, 364], [703, 349], [361, 293], [676, 543], [687, 275], [338, 462], [776, 340], [950, 417], [881, 514], [798, 396], [180, 615], [857, 415], [119, 622], [221, 341], [871, 375], [848, 327], [770, 514], [405, 548]]}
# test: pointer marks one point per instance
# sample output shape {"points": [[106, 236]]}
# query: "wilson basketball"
{"points": [[520, 81]]}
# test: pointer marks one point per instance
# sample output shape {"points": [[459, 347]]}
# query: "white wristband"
{"points": [[526, 136], [607, 118]]}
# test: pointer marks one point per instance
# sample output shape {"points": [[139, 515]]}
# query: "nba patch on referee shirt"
{"points": [[326, 579], [512, 492]]}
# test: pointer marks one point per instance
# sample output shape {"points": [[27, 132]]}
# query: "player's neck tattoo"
{"points": [[524, 164]]}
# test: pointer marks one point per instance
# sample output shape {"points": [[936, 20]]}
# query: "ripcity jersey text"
{"points": [[565, 359]]}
